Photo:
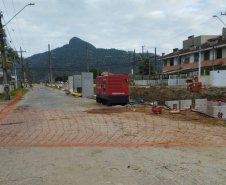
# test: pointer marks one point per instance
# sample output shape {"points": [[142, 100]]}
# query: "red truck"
{"points": [[112, 89]]}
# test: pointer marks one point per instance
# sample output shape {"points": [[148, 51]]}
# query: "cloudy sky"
{"points": [[120, 24]]}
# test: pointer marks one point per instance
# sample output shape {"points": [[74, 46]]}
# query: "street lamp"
{"points": [[219, 19], [30, 4], [4, 66]]}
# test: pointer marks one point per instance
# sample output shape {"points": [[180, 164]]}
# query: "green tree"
{"points": [[11, 54], [61, 78], [144, 65], [94, 71]]}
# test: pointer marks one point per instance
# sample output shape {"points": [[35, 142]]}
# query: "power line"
{"points": [[11, 40], [18, 25]]}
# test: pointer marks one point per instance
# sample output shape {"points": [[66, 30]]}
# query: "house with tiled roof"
{"points": [[199, 56]]}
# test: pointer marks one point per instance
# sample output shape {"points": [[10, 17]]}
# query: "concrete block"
{"points": [[217, 109], [201, 105], [70, 83], [185, 104], [87, 84], [210, 105], [77, 82], [172, 103]]}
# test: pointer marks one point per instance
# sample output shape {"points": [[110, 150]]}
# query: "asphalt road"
{"points": [[94, 165]]}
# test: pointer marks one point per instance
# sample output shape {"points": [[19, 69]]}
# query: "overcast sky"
{"points": [[120, 24]]}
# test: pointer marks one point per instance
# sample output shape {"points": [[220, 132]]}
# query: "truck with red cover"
{"points": [[112, 89]]}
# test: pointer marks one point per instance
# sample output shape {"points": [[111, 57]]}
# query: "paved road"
{"points": [[44, 111]]}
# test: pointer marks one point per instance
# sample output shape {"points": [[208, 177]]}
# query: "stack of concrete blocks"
{"points": [[87, 84], [185, 104], [171, 104], [70, 83], [77, 82], [201, 105]]}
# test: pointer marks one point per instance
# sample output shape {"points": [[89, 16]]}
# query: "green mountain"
{"points": [[71, 59]]}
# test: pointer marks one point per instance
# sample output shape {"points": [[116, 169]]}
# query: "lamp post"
{"points": [[219, 19], [2, 43], [30, 4]]}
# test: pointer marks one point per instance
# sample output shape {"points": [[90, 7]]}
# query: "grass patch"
{"points": [[2, 95], [54, 87], [15, 92]]}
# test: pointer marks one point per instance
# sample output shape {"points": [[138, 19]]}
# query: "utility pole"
{"points": [[87, 57], [155, 62], [4, 65], [50, 68], [142, 62], [97, 67], [149, 67], [129, 63], [213, 59], [22, 65], [134, 66], [178, 59], [14, 63]]}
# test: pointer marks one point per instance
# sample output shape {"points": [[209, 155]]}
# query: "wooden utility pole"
{"points": [[4, 65], [50, 66]]}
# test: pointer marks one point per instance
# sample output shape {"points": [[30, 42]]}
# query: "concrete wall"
{"points": [[77, 82], [2, 88], [218, 78], [87, 84], [151, 82], [173, 82], [70, 83]]}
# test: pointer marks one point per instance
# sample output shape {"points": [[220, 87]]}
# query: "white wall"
{"points": [[70, 83], [218, 78]]}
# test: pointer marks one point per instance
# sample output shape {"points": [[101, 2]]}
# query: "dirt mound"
{"points": [[174, 93]]}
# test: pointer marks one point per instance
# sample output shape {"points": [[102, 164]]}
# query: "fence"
{"points": [[169, 82], [2, 88]]}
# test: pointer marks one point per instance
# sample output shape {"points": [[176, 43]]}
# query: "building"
{"points": [[199, 56]]}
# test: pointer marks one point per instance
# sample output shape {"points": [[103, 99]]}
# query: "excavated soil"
{"points": [[175, 93]]}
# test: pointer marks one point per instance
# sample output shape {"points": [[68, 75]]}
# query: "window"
{"points": [[187, 59], [196, 57], [219, 53], [179, 60], [165, 63], [206, 55], [171, 62]]}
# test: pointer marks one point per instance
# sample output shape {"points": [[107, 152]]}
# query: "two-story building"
{"points": [[199, 56]]}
